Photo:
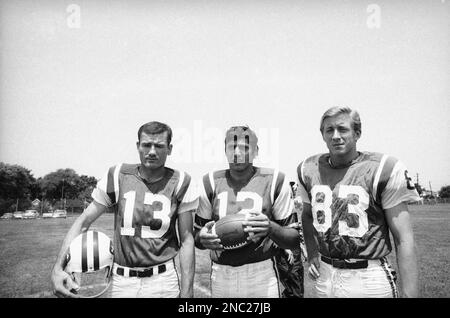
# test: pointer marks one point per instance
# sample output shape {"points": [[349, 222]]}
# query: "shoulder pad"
{"points": [[266, 171], [128, 168]]}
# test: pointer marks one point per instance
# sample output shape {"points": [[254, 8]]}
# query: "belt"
{"points": [[148, 272], [345, 264]]}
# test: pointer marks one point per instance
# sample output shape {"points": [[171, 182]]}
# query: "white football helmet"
{"points": [[91, 252]]}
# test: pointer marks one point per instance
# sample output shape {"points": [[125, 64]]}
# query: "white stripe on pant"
{"points": [[164, 285], [256, 280], [375, 281]]}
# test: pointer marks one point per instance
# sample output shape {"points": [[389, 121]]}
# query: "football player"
{"points": [[264, 196], [352, 200], [151, 203]]}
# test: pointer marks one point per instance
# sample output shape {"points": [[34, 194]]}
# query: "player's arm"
{"points": [[61, 280], [309, 232], [311, 243], [394, 198], [284, 236], [203, 224], [187, 254], [188, 197], [399, 222]]}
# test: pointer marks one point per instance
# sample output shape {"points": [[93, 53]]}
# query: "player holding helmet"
{"points": [[149, 201], [264, 195], [351, 201]]}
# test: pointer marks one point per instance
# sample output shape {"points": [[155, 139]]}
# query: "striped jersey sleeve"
{"points": [[186, 194], [205, 197], [283, 206], [399, 187], [107, 190], [301, 189]]}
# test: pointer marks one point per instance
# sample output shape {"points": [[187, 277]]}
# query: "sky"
{"points": [[78, 78]]}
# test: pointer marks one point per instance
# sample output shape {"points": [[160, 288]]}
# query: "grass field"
{"points": [[28, 249]]}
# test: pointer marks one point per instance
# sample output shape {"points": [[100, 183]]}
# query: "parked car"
{"points": [[30, 214], [7, 215], [60, 214], [18, 215], [47, 215]]}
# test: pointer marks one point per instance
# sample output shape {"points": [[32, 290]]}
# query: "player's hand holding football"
{"points": [[63, 284], [209, 240], [257, 225]]}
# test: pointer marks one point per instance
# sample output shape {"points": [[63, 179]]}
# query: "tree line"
{"points": [[63, 188]]}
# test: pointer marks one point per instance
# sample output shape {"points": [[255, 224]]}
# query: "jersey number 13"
{"points": [[146, 231]]}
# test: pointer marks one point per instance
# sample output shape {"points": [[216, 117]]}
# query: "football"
{"points": [[230, 230]]}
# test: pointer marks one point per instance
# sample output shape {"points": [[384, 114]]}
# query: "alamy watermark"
{"points": [[74, 17], [374, 18], [200, 143]]}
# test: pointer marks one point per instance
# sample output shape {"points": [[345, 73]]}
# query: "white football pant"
{"points": [[375, 281], [256, 280], [164, 285]]}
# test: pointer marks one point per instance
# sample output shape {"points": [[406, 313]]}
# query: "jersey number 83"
{"points": [[322, 200]]}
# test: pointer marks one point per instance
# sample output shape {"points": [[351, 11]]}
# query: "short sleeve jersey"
{"points": [[266, 192], [145, 231], [348, 204]]}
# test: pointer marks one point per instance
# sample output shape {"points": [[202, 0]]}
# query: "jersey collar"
{"points": [[357, 159]]}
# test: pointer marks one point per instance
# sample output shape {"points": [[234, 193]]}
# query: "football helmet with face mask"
{"points": [[90, 254]]}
